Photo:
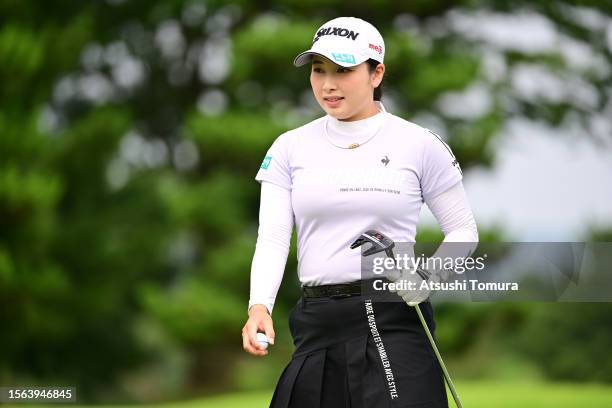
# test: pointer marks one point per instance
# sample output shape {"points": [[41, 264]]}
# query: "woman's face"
{"points": [[345, 93]]}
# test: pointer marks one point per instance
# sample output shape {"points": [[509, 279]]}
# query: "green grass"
{"points": [[474, 394], [532, 395]]}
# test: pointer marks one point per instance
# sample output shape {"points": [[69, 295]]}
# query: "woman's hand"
{"points": [[412, 280], [259, 321]]}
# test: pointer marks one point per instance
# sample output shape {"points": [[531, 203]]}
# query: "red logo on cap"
{"points": [[377, 48]]}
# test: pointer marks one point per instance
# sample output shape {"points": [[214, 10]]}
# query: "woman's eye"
{"points": [[339, 70]]}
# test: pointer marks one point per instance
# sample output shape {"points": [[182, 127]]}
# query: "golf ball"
{"points": [[262, 340]]}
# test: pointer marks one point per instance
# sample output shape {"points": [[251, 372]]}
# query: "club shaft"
{"points": [[451, 386]]}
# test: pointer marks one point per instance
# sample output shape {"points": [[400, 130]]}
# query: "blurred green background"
{"points": [[130, 134]]}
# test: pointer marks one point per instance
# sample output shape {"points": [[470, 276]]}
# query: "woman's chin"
{"points": [[336, 114]]}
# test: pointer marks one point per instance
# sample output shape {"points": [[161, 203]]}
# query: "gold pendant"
{"points": [[353, 145]]}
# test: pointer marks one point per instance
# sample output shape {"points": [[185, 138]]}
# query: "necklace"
{"points": [[352, 145]]}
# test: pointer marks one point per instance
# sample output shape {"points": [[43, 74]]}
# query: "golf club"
{"points": [[379, 243]]}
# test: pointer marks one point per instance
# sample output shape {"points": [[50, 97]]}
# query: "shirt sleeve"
{"points": [[452, 211], [275, 167], [440, 169], [273, 244]]}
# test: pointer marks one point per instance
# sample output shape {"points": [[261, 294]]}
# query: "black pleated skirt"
{"points": [[351, 352]]}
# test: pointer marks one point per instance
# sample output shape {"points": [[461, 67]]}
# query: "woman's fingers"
{"points": [[249, 339], [268, 329], [249, 348]]}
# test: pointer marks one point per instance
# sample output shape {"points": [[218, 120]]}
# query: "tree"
{"points": [[131, 131]]}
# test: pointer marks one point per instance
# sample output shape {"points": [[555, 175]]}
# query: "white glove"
{"points": [[410, 279]]}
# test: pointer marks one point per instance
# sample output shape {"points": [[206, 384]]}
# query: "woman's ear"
{"points": [[377, 75]]}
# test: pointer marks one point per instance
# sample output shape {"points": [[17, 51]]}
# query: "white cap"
{"points": [[347, 41]]}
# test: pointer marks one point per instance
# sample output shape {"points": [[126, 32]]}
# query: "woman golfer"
{"points": [[356, 169]]}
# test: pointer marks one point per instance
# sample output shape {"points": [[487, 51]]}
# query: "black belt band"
{"points": [[332, 291]]}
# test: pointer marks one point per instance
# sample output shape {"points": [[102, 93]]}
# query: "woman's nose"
{"points": [[329, 84]]}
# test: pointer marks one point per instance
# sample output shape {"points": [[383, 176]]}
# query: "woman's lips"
{"points": [[333, 101]]}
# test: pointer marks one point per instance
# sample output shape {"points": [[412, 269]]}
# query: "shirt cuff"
{"points": [[269, 305]]}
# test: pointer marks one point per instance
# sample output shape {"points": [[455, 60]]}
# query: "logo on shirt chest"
{"points": [[354, 179]]}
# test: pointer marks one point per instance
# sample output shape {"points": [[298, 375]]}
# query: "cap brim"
{"points": [[306, 56]]}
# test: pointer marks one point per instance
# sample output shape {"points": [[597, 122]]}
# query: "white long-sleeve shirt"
{"points": [[332, 193]]}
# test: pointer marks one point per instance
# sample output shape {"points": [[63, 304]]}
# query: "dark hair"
{"points": [[372, 64]]}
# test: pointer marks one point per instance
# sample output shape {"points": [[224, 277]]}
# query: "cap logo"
{"points": [[339, 31], [377, 48], [346, 58]]}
